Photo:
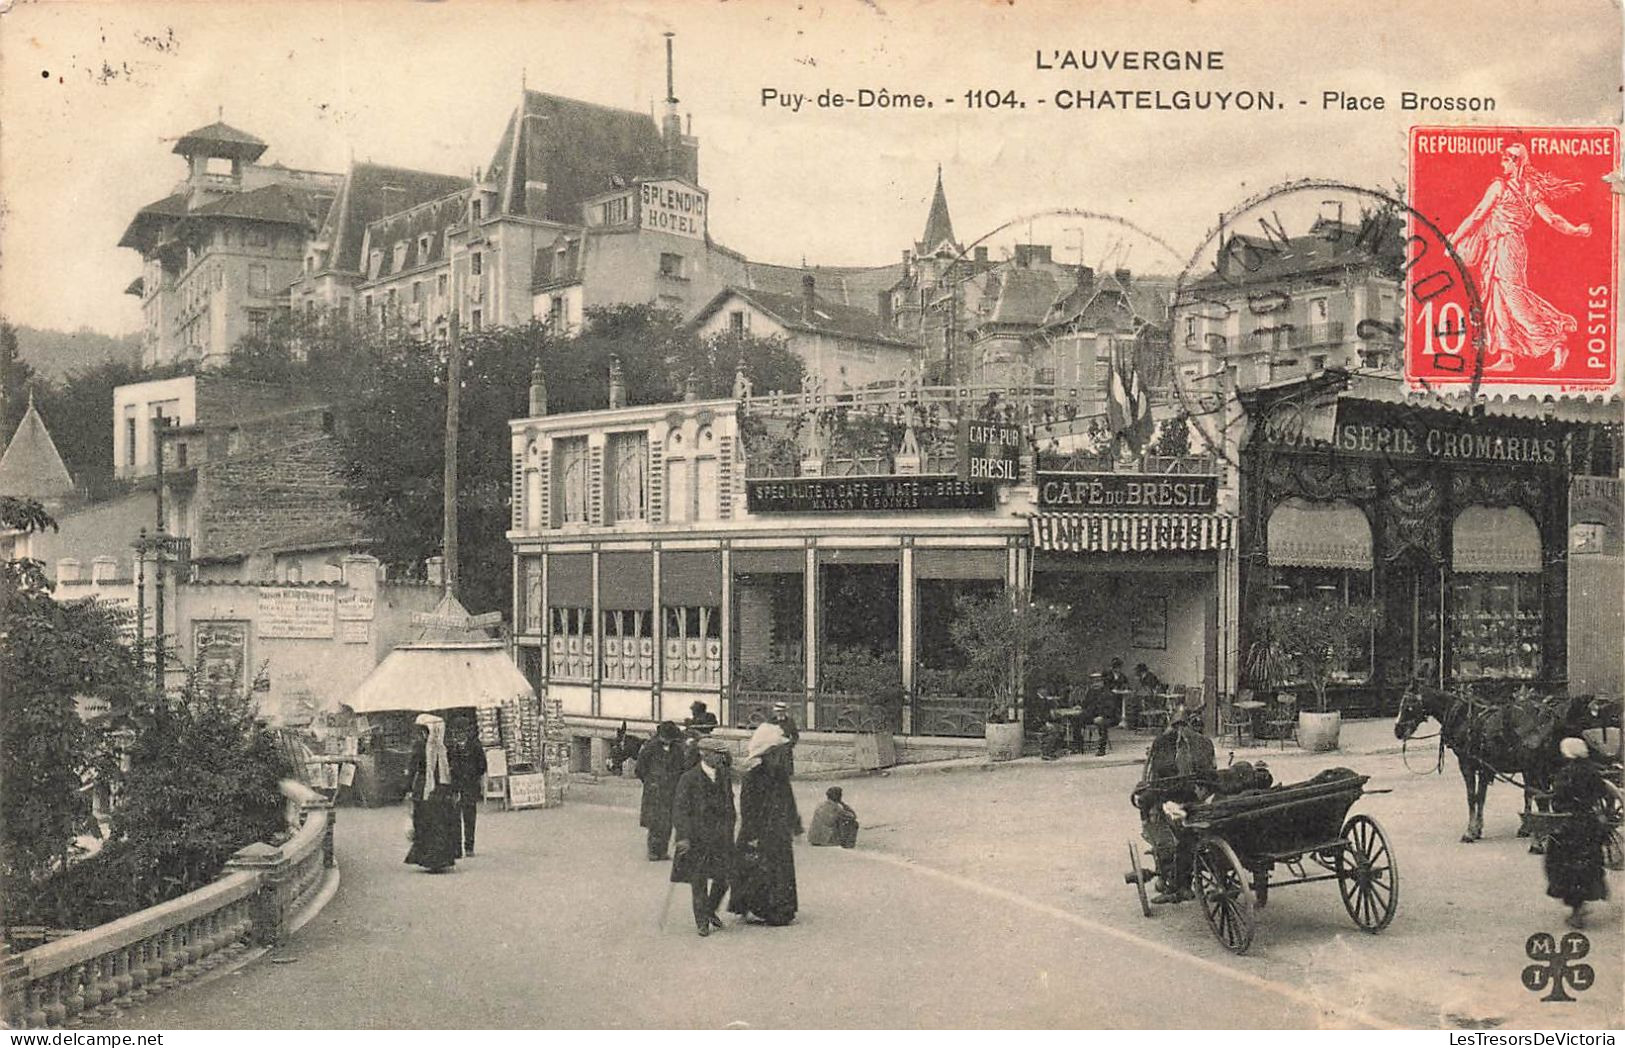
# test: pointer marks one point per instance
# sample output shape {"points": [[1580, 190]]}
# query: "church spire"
{"points": [[939, 228]]}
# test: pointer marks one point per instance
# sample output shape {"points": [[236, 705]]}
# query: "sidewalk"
{"points": [[1359, 738]]}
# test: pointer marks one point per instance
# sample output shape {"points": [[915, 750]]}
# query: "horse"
{"points": [[1518, 736], [622, 748]]}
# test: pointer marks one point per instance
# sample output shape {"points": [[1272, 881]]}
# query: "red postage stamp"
{"points": [[1533, 222]]}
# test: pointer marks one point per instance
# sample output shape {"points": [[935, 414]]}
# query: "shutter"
{"points": [[516, 491], [959, 563], [595, 484], [725, 478], [626, 581], [544, 484], [569, 580], [769, 561], [657, 481], [691, 579]]}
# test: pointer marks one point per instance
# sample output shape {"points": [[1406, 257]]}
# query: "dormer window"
{"points": [[423, 248], [475, 209], [375, 262], [400, 255]]}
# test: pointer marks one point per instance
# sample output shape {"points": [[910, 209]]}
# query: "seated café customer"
{"points": [[833, 822], [1145, 691], [1100, 708], [699, 719]]}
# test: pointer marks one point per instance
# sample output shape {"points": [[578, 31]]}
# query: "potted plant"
{"points": [[1316, 639], [1001, 640]]}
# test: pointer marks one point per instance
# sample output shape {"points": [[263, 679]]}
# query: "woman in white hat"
{"points": [[1574, 870], [435, 829], [764, 887]]}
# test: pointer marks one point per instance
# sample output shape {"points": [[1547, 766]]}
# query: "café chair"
{"points": [[1283, 718]]}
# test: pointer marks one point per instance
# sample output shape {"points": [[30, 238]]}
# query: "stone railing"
{"points": [[260, 898]]}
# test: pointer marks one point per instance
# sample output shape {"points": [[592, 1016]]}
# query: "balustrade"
{"points": [[90, 976]]}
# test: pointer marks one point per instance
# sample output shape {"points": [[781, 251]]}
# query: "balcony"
{"points": [[1290, 338]]}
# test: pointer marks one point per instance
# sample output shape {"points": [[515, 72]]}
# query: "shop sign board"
{"points": [[527, 791], [1596, 506], [989, 451], [670, 206], [295, 612], [866, 494], [355, 607], [1435, 436], [1129, 492], [220, 652]]}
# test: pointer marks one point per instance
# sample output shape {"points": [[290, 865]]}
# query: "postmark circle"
{"points": [[1316, 274]]}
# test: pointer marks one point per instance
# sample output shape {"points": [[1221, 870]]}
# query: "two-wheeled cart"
{"points": [[1238, 841]]}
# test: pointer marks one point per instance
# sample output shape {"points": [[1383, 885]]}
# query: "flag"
{"points": [[1128, 404]]}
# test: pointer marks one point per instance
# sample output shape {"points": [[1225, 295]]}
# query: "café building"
{"points": [[1450, 516], [706, 551]]}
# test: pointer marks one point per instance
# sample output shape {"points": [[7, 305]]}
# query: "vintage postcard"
{"points": [[853, 514]]}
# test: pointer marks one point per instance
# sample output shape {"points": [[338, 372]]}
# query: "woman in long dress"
{"points": [[1493, 243], [764, 887], [434, 815], [1574, 866]]}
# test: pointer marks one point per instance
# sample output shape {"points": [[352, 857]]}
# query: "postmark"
{"points": [[1307, 276], [1534, 222]]}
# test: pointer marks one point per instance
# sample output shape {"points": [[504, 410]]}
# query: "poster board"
{"points": [[527, 791], [1148, 623], [496, 774]]}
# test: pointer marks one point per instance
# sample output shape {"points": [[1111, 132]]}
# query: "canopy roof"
{"points": [[452, 664]]}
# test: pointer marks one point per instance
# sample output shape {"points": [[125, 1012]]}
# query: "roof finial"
{"points": [[220, 113]]}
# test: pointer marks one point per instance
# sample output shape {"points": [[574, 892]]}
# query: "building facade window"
{"points": [[475, 209], [570, 463], [440, 285], [129, 441], [671, 265], [769, 621], [693, 646], [476, 263], [257, 237], [375, 263], [570, 654], [737, 322], [259, 322], [628, 647], [628, 497], [400, 255], [476, 320]]}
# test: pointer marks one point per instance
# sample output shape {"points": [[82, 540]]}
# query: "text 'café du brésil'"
{"points": [[1196, 494]]}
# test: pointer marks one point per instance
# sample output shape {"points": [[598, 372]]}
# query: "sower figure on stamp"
{"points": [[703, 815]]}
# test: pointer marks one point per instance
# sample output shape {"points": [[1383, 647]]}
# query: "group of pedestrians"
{"points": [[744, 851], [444, 780]]}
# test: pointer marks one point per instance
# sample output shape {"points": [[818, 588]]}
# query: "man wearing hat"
{"points": [[1178, 772], [700, 721], [660, 765], [703, 815]]}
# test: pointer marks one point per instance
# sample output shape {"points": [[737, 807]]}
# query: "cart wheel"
{"points": [[1367, 874], [1221, 887], [1136, 877], [1613, 850]]}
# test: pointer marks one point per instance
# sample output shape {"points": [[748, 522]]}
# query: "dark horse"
{"points": [[1514, 736]]}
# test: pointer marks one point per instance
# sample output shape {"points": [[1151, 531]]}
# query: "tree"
{"points": [[1314, 640], [203, 782], [1173, 437], [1005, 641], [51, 653], [16, 379]]}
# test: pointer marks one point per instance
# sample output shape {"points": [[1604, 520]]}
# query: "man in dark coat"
{"points": [[1179, 770], [660, 764], [700, 720], [703, 815], [787, 724], [468, 767], [1101, 707]]}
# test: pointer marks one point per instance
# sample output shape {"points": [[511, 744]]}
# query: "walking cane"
{"points": [[665, 906]]}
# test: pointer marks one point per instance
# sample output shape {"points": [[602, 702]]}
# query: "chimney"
{"points": [[691, 387], [1123, 276], [884, 303], [981, 252], [434, 571], [809, 297], [1086, 277], [538, 390], [617, 384]]}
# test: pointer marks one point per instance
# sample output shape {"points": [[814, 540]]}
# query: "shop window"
{"points": [[1496, 625], [693, 646], [1307, 585], [938, 604], [858, 620], [628, 471], [628, 647], [570, 463], [769, 621], [569, 644]]}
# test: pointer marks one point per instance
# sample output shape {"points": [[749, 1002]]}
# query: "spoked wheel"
{"points": [[1367, 874], [1136, 877], [1221, 887], [1609, 810]]}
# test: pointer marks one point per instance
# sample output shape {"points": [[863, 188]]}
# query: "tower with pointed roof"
{"points": [[31, 467], [938, 240]]}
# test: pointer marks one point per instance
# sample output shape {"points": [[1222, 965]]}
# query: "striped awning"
{"points": [[1132, 532]]}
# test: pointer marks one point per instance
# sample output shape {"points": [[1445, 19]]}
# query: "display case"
{"points": [[1496, 627]]}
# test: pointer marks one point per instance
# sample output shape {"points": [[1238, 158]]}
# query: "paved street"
{"points": [[974, 899]]}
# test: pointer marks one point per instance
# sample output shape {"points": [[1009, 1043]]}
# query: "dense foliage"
{"points": [[51, 653], [1005, 644], [1312, 641]]}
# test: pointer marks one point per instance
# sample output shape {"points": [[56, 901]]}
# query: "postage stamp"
{"points": [[1534, 222]]}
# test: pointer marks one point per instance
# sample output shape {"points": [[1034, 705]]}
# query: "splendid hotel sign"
{"points": [[865, 494], [1128, 492], [672, 207]]}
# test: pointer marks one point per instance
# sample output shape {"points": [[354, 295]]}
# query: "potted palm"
{"points": [[1316, 640], [1001, 641]]}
